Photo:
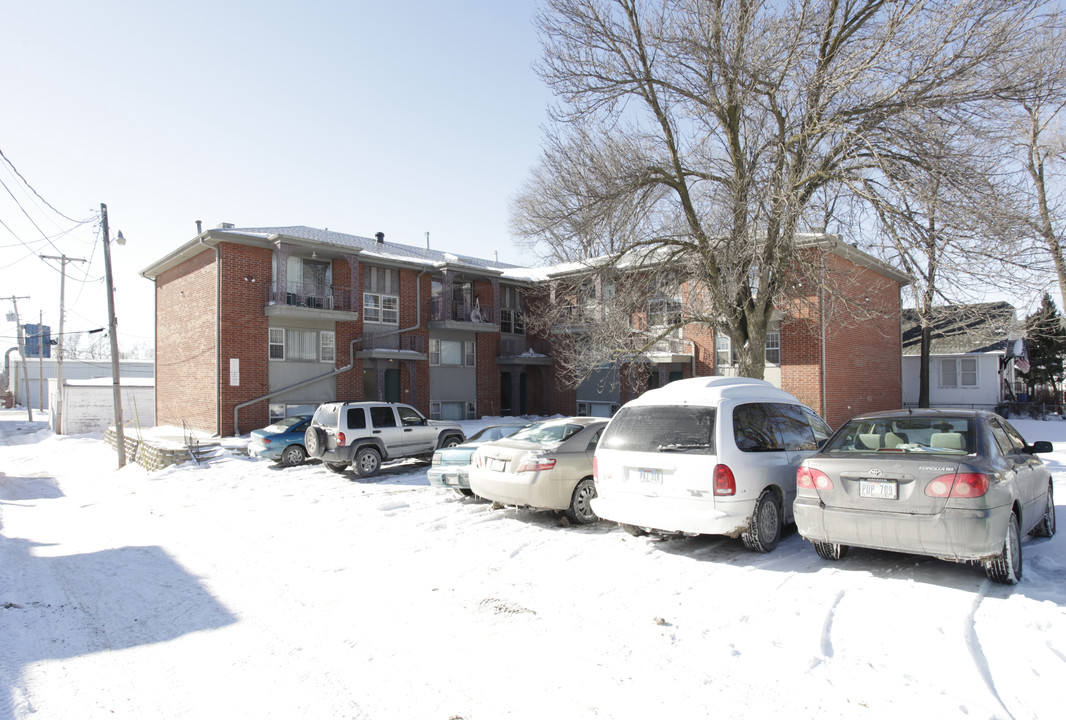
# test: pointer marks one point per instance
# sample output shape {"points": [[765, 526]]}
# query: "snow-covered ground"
{"points": [[238, 589]]}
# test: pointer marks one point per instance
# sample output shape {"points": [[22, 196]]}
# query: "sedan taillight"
{"points": [[536, 464], [436, 459], [724, 482], [811, 479], [963, 485]]}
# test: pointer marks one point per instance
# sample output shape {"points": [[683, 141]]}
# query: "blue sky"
{"points": [[358, 116]]}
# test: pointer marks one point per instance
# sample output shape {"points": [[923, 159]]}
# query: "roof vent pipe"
{"points": [[199, 230], [381, 237]]}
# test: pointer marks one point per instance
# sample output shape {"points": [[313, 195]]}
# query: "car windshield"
{"points": [[494, 432], [906, 433], [667, 428], [547, 431]]}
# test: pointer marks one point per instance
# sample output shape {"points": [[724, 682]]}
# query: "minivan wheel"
{"points": [[1006, 567], [764, 531], [580, 510], [1046, 526], [367, 462], [830, 550]]}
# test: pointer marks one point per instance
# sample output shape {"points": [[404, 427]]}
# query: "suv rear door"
{"points": [[385, 427]]}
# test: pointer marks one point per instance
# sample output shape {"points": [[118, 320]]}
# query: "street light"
{"points": [[120, 435]]}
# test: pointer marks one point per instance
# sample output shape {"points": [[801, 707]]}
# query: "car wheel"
{"points": [[451, 441], [1046, 527], [1006, 567], [580, 510], [336, 467], [315, 441], [830, 550], [465, 492], [764, 530], [367, 462], [293, 455], [633, 530]]}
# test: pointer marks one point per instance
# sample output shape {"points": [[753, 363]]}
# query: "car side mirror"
{"points": [[1040, 446]]}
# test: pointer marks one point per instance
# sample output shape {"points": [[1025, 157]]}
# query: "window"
{"points": [[724, 351], [381, 295], [277, 343], [958, 372], [301, 344], [512, 321], [327, 346], [663, 312], [453, 353], [383, 309], [453, 411], [773, 348], [382, 416]]}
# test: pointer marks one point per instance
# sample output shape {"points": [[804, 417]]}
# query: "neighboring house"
{"points": [[41, 371], [967, 363], [253, 324]]}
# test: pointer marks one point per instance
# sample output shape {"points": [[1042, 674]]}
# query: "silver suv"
{"points": [[363, 434]]}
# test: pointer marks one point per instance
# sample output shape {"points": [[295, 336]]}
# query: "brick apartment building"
{"points": [[253, 324]]}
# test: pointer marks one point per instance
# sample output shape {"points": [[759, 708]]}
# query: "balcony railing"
{"points": [[311, 295], [392, 341], [442, 309]]}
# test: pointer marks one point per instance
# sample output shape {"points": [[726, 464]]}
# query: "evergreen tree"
{"points": [[1046, 342]]}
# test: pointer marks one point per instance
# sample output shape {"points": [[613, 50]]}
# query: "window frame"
{"points": [[273, 343], [959, 373]]}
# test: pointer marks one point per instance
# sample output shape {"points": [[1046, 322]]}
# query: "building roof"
{"points": [[963, 329]]}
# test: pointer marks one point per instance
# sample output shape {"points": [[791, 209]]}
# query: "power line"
{"points": [[27, 184]]}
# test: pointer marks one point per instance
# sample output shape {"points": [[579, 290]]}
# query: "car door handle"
{"points": [[407, 429], [377, 432]]}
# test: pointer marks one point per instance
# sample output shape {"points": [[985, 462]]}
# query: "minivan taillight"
{"points": [[724, 482], [340, 439]]}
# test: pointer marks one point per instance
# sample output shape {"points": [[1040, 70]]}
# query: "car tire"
{"points": [[1046, 526], [336, 467], [367, 462], [1006, 568], [633, 530], [292, 456], [451, 441], [830, 550], [465, 492], [315, 441], [580, 510], [764, 529]]}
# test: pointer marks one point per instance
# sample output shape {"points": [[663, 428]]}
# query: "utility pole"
{"points": [[22, 351], [120, 434], [59, 358], [40, 359]]}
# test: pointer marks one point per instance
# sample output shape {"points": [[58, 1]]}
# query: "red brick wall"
{"points": [[244, 334], [185, 345], [350, 383]]}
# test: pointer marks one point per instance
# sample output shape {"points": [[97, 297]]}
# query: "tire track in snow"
{"points": [[973, 644], [827, 626]]}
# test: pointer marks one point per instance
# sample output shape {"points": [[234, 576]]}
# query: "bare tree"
{"points": [[703, 136]]}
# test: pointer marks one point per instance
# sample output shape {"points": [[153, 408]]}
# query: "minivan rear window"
{"points": [[666, 428]]}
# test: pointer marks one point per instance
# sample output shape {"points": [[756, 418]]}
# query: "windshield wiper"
{"points": [[678, 447]]}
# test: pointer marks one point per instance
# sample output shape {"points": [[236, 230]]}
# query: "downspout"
{"points": [[351, 357], [821, 310]]}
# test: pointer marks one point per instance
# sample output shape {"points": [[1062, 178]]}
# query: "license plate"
{"points": [[497, 464], [653, 476], [878, 489]]}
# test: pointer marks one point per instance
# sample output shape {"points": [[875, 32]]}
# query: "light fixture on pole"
{"points": [[120, 435]]}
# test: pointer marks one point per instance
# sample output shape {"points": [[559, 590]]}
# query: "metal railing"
{"points": [[513, 347], [311, 295], [392, 341], [460, 311]]}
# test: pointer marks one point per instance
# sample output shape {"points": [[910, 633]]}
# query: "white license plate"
{"points": [[878, 489], [497, 464], [648, 475]]}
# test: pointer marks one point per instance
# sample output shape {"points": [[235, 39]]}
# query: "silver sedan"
{"points": [[960, 485]]}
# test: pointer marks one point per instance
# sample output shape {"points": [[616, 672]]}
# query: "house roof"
{"points": [[963, 329]]}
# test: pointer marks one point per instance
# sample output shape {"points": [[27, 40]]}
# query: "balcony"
{"points": [[460, 315], [300, 299]]}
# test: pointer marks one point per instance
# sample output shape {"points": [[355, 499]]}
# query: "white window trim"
{"points": [[766, 350], [272, 343], [375, 310], [956, 365], [327, 346]]}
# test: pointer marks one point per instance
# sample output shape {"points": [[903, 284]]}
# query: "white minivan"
{"points": [[710, 455]]}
